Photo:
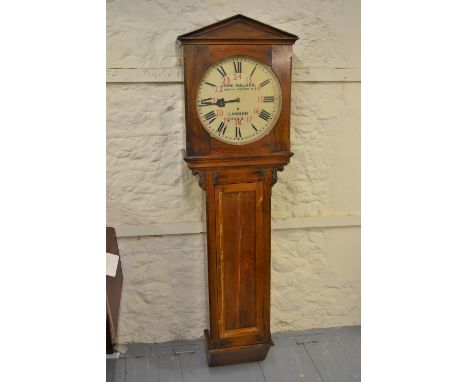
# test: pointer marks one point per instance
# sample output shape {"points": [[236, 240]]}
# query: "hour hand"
{"points": [[207, 102]]}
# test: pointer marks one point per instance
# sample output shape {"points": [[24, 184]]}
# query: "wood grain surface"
{"points": [[238, 181]]}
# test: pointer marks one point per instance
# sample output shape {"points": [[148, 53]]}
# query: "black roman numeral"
{"points": [[221, 71], [264, 115], [268, 99], [211, 116], [222, 128], [237, 67], [254, 127], [238, 132], [209, 83], [266, 82], [251, 74]]}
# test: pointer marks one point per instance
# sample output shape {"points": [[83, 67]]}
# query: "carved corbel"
{"points": [[274, 175], [201, 178]]}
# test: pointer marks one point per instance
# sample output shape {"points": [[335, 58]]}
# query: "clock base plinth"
{"points": [[234, 355]]}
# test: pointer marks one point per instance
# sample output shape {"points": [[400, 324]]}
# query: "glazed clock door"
{"points": [[242, 272]]}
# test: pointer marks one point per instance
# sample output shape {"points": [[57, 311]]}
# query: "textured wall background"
{"points": [[315, 270]]}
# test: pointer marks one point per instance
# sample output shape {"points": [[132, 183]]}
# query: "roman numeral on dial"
{"points": [[211, 116], [264, 115], [254, 127], [238, 132], [237, 67], [266, 82], [222, 128], [221, 71], [268, 99]]}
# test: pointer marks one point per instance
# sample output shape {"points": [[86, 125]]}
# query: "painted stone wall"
{"points": [[315, 267]]}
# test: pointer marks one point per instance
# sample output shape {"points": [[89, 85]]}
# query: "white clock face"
{"points": [[238, 100]]}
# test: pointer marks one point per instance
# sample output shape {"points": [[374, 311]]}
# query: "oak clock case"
{"points": [[237, 88]]}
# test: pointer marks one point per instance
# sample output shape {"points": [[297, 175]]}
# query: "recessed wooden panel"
{"points": [[238, 219], [239, 259]]}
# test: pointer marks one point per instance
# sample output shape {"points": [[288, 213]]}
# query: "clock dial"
{"points": [[238, 100]]}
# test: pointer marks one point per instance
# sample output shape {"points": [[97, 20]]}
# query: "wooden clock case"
{"points": [[238, 181]]}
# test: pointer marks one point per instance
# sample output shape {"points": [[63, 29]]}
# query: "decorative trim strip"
{"points": [[175, 75], [145, 75], [326, 75], [331, 221]]}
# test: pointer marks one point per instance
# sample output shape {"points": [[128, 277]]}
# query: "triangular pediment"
{"points": [[238, 28]]}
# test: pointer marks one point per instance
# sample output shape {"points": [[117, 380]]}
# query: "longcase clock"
{"points": [[237, 78]]}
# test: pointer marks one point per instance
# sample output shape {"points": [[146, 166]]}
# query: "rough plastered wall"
{"points": [[157, 206]]}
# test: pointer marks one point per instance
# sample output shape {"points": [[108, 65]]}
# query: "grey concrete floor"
{"points": [[318, 355]]}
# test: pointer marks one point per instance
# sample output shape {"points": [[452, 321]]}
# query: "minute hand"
{"points": [[233, 100]]}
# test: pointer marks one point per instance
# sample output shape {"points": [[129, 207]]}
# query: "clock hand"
{"points": [[233, 100], [220, 102]]}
